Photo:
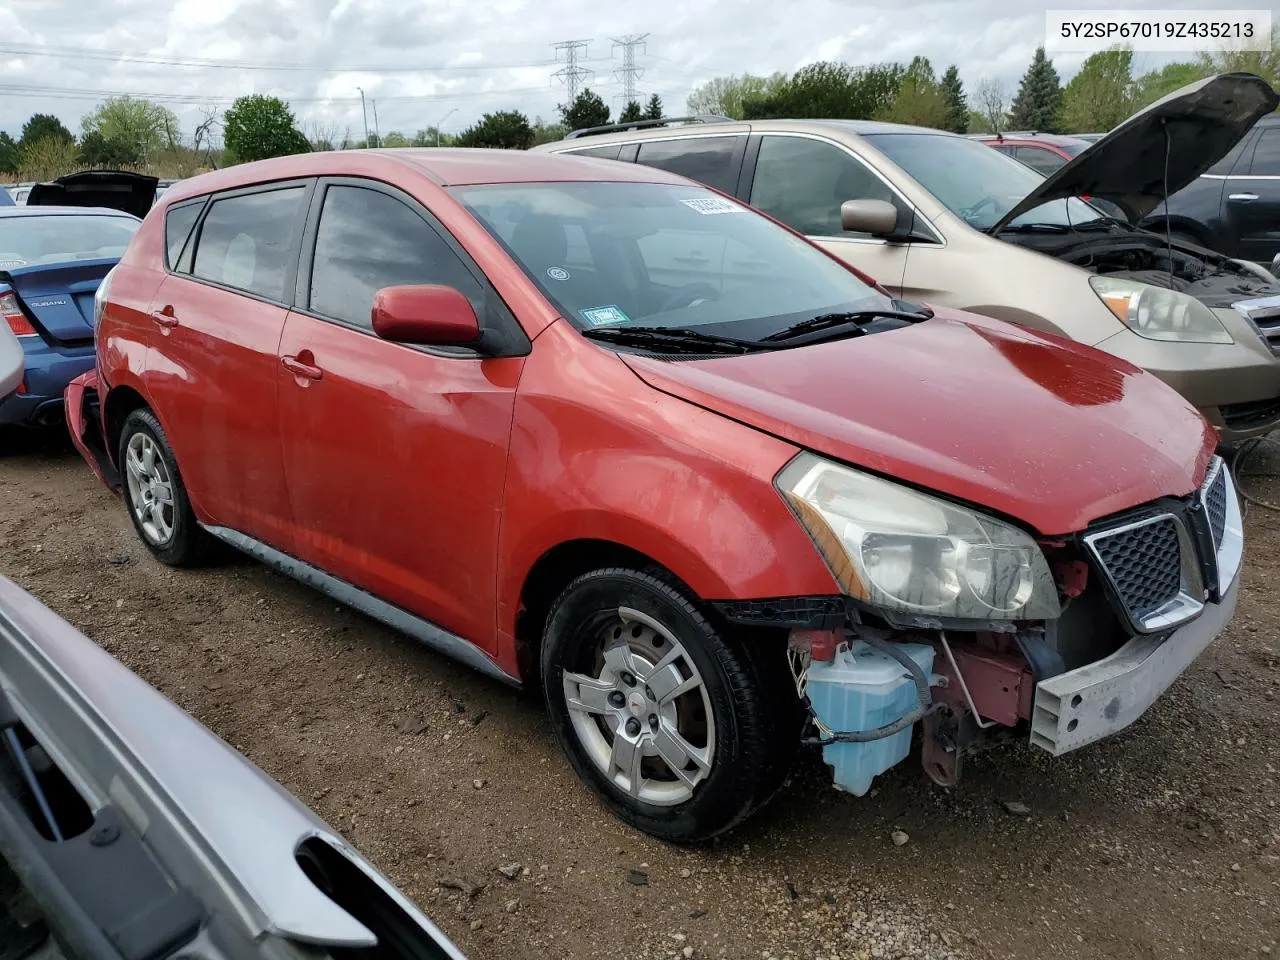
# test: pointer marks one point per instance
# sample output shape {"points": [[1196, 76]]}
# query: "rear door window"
{"points": [[803, 182], [715, 161], [367, 240], [246, 241]]}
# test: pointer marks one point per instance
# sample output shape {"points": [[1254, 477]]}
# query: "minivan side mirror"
{"points": [[428, 313], [876, 217]]}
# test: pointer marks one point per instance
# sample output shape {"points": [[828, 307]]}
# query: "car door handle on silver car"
{"points": [[1242, 197], [301, 367]]}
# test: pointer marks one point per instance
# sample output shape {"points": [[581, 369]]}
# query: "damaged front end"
{"points": [[1135, 597]]}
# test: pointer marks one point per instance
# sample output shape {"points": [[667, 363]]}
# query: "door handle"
{"points": [[165, 318], [301, 369], [1242, 197]]}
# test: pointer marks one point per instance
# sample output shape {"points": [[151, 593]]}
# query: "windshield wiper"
{"points": [[902, 312], [677, 339], [1035, 228]]}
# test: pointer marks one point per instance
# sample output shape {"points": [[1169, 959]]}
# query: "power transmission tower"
{"points": [[571, 74], [629, 73]]}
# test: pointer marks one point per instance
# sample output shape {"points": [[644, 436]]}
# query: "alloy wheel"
{"points": [[641, 710], [150, 489]]}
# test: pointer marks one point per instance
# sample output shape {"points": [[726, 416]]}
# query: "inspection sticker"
{"points": [[602, 316], [708, 206]]}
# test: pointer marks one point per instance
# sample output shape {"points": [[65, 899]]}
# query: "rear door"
{"points": [[1041, 159], [394, 454], [1251, 200], [212, 366]]}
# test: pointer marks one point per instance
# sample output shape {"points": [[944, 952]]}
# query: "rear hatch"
{"points": [[115, 189], [59, 296]]}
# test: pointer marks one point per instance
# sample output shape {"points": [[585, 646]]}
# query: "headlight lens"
{"points": [[902, 550], [1159, 314]]}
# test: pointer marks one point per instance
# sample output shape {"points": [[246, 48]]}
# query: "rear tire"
{"points": [[155, 496], [663, 716]]}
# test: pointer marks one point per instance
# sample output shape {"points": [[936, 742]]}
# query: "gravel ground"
{"points": [[1162, 842]]}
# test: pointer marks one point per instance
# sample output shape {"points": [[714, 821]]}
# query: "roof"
{"points": [[447, 166], [1059, 139], [39, 211]]}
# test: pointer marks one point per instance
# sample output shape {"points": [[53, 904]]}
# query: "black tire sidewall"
{"points": [[184, 546], [727, 794]]}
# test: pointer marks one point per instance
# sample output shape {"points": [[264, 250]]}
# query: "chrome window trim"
{"points": [[1239, 176], [1189, 602]]}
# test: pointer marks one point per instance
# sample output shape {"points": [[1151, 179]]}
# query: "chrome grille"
{"points": [[1263, 315], [1215, 504], [1143, 561]]}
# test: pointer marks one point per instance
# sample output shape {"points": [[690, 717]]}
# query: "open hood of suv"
{"points": [[1202, 121], [117, 189], [1040, 429]]}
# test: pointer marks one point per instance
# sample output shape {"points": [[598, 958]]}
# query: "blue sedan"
{"points": [[51, 262]]}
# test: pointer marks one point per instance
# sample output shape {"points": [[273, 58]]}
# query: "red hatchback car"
{"points": [[592, 425]]}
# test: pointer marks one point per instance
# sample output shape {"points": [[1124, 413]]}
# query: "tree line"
{"points": [[133, 133], [1102, 93]]}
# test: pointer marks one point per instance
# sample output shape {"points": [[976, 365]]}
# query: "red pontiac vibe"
{"points": [[593, 426]]}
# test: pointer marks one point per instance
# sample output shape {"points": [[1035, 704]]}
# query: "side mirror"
{"points": [[426, 314], [876, 217]]}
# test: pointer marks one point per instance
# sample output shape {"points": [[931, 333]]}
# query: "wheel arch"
{"points": [[120, 401]]}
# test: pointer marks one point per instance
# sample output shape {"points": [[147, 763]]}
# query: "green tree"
{"points": [[832, 90], [587, 110], [48, 158], [44, 126], [631, 113], [726, 96], [99, 151], [504, 130], [544, 132], [653, 111], [10, 156], [257, 127], [1264, 63], [1101, 94], [957, 104], [992, 104], [1154, 84], [1036, 105], [396, 139], [138, 127], [433, 137], [919, 100]]}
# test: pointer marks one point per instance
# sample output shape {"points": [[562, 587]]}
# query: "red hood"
{"points": [[1034, 427]]}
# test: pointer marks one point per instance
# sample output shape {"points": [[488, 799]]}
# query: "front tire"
{"points": [[155, 495], [663, 716]]}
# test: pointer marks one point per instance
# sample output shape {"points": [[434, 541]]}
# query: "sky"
{"points": [[446, 62]]}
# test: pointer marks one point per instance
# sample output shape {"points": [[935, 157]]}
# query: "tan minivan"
{"points": [[940, 218]]}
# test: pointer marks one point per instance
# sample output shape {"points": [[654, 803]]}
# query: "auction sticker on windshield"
{"points": [[602, 316], [708, 206]]}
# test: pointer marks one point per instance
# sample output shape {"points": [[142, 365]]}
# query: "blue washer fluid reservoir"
{"points": [[862, 689]]}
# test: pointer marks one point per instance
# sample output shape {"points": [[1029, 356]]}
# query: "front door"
{"points": [[211, 366], [394, 455], [802, 181]]}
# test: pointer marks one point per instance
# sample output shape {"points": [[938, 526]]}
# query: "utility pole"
{"points": [[571, 74], [629, 73], [364, 113], [377, 134], [441, 123]]}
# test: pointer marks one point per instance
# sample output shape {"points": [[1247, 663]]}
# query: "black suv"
{"points": [[1234, 207]]}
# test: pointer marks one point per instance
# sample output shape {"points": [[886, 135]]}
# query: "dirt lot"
{"points": [[1163, 842]]}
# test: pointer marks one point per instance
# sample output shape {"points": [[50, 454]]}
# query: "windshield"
{"points": [[53, 239], [974, 182], [651, 254]]}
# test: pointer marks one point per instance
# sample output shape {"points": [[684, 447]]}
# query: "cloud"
{"points": [[420, 61]]}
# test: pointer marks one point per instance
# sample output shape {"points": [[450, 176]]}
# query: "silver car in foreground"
{"points": [[130, 832]]}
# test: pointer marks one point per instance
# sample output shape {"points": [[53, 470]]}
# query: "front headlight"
{"points": [[901, 550], [1159, 314]]}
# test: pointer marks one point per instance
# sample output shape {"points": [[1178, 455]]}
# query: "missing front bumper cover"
{"points": [[1102, 698]]}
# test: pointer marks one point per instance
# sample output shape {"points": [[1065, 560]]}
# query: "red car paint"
{"points": [[438, 484]]}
